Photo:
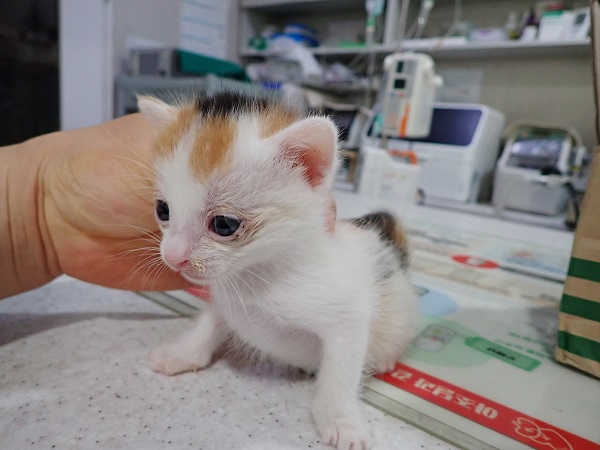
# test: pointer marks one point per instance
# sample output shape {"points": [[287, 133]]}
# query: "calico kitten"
{"points": [[244, 189]]}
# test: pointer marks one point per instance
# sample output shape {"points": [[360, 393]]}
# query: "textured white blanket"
{"points": [[72, 376]]}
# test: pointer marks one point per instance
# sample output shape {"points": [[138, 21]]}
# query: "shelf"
{"points": [[293, 6], [502, 49], [457, 49], [339, 88]]}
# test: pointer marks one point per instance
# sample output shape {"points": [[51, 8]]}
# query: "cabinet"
{"points": [[542, 81]]}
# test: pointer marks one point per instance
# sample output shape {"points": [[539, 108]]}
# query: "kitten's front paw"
{"points": [[169, 361], [385, 366], [346, 433]]}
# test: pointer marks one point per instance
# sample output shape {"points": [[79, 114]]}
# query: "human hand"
{"points": [[81, 203], [99, 207]]}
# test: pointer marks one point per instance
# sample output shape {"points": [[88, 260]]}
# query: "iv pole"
{"points": [[396, 16]]}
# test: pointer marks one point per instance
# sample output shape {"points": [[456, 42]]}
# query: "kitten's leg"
{"points": [[336, 408], [192, 350]]}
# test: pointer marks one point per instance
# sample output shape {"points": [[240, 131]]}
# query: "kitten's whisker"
{"points": [[245, 269], [151, 274], [138, 163], [132, 182], [225, 288], [144, 265], [239, 294], [128, 147], [136, 268], [134, 253], [147, 190], [226, 297], [139, 193], [156, 271], [245, 282], [133, 177], [146, 234], [141, 243], [139, 252], [135, 227]]}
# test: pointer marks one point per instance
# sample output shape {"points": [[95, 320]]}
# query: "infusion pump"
{"points": [[409, 93]]}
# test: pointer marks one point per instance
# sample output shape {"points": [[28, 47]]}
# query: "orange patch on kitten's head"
{"points": [[167, 140], [213, 120], [219, 115], [212, 146], [276, 119]]}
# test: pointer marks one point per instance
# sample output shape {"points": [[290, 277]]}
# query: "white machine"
{"points": [[404, 110], [457, 157], [535, 167], [409, 92]]}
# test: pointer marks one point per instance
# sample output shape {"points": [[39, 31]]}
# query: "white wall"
{"points": [[93, 46], [85, 69], [93, 36], [156, 20]]}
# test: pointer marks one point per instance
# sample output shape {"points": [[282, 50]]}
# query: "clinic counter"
{"points": [[74, 374]]}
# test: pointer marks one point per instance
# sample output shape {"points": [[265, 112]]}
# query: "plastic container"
{"points": [[388, 179]]}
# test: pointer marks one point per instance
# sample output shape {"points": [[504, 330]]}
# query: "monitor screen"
{"points": [[451, 126], [399, 83], [343, 121], [535, 153]]}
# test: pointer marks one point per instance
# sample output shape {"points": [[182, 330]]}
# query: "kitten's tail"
{"points": [[389, 229]]}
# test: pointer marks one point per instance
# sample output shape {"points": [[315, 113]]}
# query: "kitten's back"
{"points": [[389, 229]]}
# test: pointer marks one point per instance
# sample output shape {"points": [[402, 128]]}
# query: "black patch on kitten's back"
{"points": [[389, 230]]}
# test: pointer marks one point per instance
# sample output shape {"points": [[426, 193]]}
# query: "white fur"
{"points": [[157, 111], [292, 291]]}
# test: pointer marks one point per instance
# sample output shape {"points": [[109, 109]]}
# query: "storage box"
{"points": [[579, 318]]}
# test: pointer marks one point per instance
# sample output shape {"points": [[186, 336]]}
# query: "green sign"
{"points": [[502, 353]]}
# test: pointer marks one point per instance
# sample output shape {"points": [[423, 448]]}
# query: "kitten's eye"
{"points": [[162, 210], [224, 225]]}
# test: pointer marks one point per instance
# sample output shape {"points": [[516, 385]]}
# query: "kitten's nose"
{"points": [[177, 254], [178, 264]]}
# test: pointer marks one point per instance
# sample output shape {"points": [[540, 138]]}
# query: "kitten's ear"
{"points": [[160, 113], [312, 144]]}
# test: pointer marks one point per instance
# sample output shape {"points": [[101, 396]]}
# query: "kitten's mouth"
{"points": [[194, 278]]}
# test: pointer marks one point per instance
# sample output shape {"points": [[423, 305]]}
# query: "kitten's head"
{"points": [[240, 182]]}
